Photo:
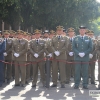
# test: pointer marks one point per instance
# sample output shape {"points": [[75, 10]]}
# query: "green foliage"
{"points": [[50, 13]]}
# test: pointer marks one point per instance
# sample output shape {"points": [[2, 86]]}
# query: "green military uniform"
{"points": [[37, 48], [59, 45], [8, 57], [19, 49], [82, 46]]}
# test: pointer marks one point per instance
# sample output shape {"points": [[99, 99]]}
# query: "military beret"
{"points": [[52, 32], [37, 31], [59, 27], [70, 29], [6, 32], [12, 32], [90, 32], [25, 33], [20, 32]]}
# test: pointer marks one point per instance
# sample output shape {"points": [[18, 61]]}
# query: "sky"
{"points": [[98, 1]]}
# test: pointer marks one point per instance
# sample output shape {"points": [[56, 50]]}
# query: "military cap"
{"points": [[37, 31], [12, 32], [82, 27], [46, 31], [20, 32], [52, 32], [59, 27], [6, 32], [25, 33], [71, 29]]}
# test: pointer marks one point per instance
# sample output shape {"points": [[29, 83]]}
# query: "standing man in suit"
{"points": [[59, 45], [37, 47], [19, 49], [70, 55], [82, 47], [8, 56], [2, 50]]}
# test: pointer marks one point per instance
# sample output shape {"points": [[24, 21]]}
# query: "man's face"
{"points": [[46, 35], [71, 34], [6, 35], [51, 36], [37, 36], [25, 36], [33, 36], [59, 32], [20, 36], [90, 35], [82, 31]]}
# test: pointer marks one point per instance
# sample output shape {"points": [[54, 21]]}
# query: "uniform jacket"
{"points": [[20, 48], [69, 50], [80, 46], [37, 48], [94, 51], [8, 49], [28, 52], [48, 48], [60, 45], [98, 49]]}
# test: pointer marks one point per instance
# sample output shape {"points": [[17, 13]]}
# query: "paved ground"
{"points": [[9, 92]]}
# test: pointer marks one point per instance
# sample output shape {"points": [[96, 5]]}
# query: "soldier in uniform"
{"points": [[48, 49], [59, 45], [12, 36], [37, 46], [28, 67], [70, 56], [19, 49], [92, 57], [82, 46], [8, 56], [2, 50]]}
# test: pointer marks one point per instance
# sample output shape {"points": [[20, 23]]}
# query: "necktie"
{"points": [[71, 39], [37, 41], [6, 40], [82, 38], [58, 37], [19, 41]]}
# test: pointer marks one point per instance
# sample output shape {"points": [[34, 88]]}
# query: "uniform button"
{"points": [[58, 42]]}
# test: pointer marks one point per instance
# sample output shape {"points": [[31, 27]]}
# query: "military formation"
{"points": [[23, 57]]}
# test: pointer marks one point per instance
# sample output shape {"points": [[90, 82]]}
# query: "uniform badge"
{"points": [[62, 40]]}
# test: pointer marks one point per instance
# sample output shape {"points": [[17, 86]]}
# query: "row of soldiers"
{"points": [[22, 48]]}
